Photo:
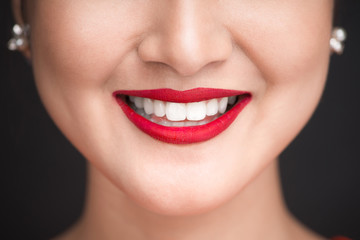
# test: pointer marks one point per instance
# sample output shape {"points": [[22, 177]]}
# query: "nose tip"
{"points": [[186, 41], [186, 55]]}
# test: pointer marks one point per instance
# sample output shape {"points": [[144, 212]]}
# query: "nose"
{"points": [[186, 36]]}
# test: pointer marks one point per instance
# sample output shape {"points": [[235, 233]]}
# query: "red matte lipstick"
{"points": [[188, 134]]}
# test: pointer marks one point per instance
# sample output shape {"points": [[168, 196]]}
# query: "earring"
{"points": [[19, 41], [337, 40]]}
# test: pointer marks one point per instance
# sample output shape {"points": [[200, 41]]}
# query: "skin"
{"points": [[140, 188]]}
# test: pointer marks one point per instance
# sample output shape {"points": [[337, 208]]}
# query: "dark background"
{"points": [[43, 176]]}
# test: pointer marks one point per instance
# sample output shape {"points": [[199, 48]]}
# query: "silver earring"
{"points": [[337, 40], [19, 41]]}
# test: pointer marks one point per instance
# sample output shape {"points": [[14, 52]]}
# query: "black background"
{"points": [[43, 176]]}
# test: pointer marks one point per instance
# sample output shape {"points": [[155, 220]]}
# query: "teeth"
{"points": [[189, 124], [232, 100], [178, 124], [148, 106], [212, 107], [139, 102], [176, 113], [159, 108], [223, 104], [196, 111]]}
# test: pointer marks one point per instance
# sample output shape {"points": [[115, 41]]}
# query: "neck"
{"points": [[257, 212]]}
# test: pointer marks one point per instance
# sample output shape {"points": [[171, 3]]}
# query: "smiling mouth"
{"points": [[182, 117], [173, 114]]}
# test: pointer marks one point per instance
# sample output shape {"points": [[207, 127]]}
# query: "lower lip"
{"points": [[184, 135]]}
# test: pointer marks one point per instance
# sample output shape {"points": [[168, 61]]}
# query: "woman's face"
{"points": [[83, 51]]}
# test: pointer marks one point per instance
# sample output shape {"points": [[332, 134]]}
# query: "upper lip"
{"points": [[171, 95]]}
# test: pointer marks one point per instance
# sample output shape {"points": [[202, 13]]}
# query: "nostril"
{"points": [[188, 48], [148, 49], [184, 60]]}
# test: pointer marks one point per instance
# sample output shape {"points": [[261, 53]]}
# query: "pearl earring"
{"points": [[337, 40], [19, 41]]}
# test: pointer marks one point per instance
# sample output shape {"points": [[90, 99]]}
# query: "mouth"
{"points": [[182, 117]]}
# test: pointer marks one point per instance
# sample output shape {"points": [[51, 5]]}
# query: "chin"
{"points": [[180, 180], [188, 198]]}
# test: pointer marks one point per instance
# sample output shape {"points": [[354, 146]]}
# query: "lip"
{"points": [[183, 135]]}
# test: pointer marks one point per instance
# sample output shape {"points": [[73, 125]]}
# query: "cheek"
{"points": [[290, 48], [80, 44], [294, 64], [75, 56], [288, 41], [76, 53]]}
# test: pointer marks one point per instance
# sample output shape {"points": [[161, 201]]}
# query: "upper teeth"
{"points": [[194, 111]]}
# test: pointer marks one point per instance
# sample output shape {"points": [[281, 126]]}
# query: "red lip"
{"points": [[183, 135]]}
